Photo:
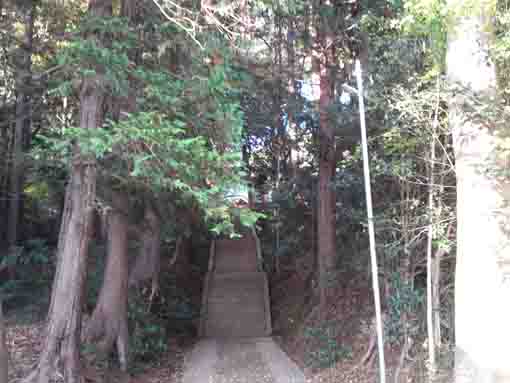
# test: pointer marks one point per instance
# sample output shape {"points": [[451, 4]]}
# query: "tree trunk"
{"points": [[436, 297], [326, 240], [291, 102], [250, 180], [182, 262], [405, 269], [21, 129], [438, 257], [65, 316], [108, 323], [482, 280], [4, 355], [148, 261]]}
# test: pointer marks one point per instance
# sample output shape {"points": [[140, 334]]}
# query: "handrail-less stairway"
{"points": [[236, 295]]}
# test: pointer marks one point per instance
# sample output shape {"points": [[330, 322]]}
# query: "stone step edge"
{"points": [[236, 274]]}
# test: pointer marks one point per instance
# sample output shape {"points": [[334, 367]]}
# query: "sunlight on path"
{"points": [[241, 360]]}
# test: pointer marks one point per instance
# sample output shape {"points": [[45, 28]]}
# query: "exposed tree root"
{"points": [[368, 356]]}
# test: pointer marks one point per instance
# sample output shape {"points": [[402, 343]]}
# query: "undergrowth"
{"points": [[326, 351]]}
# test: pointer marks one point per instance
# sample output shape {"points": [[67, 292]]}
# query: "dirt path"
{"points": [[241, 360]]}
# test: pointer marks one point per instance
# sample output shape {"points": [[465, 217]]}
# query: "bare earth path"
{"points": [[240, 360], [236, 323]]}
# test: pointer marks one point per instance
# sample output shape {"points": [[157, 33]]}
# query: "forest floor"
{"points": [[326, 351], [25, 330], [25, 325], [24, 337], [335, 349]]}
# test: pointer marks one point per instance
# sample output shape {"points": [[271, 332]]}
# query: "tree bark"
{"points": [[326, 217], [61, 347], [128, 9], [182, 262], [147, 263], [21, 129], [405, 266], [64, 318], [108, 323], [482, 280]]}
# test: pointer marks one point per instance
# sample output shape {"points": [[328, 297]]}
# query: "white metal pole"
{"points": [[430, 308], [371, 231]]}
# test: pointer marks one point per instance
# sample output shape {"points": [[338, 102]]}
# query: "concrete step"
{"points": [[242, 324], [236, 255], [245, 295], [237, 305]]}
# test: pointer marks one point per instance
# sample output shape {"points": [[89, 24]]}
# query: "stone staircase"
{"points": [[235, 300]]}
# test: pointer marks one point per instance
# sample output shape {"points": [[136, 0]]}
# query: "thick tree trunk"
{"points": [[64, 318], [16, 177], [21, 129], [61, 347], [482, 280], [108, 323], [183, 257], [4, 355], [326, 217], [148, 261]]}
